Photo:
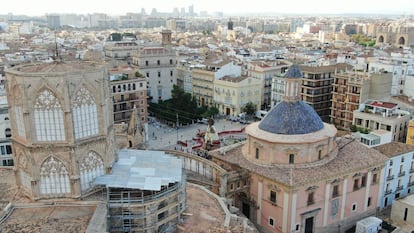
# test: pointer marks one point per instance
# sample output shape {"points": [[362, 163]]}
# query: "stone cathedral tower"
{"points": [[62, 127]]}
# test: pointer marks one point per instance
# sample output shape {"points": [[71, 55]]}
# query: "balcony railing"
{"points": [[387, 192], [399, 188], [401, 174], [412, 170], [390, 177]]}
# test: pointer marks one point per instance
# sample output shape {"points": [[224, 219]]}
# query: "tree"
{"points": [[115, 36], [249, 109]]}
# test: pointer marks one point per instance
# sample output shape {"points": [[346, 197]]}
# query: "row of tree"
{"points": [[184, 106]]}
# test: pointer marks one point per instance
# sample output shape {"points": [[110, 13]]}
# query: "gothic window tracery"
{"points": [[48, 116], [85, 116], [54, 177], [90, 167]]}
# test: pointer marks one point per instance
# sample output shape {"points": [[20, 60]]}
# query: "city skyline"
{"points": [[42, 7]]}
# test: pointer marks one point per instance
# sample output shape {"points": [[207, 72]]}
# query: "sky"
{"points": [[120, 7]]}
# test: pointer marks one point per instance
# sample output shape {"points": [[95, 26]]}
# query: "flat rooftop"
{"points": [[144, 170]]}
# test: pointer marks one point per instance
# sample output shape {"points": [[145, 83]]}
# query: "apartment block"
{"points": [[129, 91], [231, 94], [158, 65], [350, 89], [265, 71], [317, 87], [120, 49], [398, 178], [375, 115], [204, 75]]}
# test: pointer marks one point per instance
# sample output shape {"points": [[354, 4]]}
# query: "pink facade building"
{"points": [[300, 177]]}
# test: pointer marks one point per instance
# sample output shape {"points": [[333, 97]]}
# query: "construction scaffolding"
{"points": [[145, 192]]}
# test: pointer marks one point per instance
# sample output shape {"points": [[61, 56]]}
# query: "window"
{"points": [[147, 74], [273, 196], [297, 227], [171, 61], [159, 74], [374, 178], [364, 181], [271, 221], [146, 63], [48, 117], [319, 154], [85, 116], [335, 191], [369, 202], [291, 158], [231, 187], [158, 62], [311, 198], [402, 159], [7, 132], [356, 184], [354, 207], [171, 73], [257, 153]]}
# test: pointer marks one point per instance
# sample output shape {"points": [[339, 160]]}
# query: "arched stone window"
{"points": [[54, 177], [48, 116], [85, 117], [90, 167]]}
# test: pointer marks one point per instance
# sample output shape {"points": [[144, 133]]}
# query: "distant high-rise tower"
{"points": [[231, 34], [53, 21], [191, 10], [230, 25], [143, 11], [62, 126]]}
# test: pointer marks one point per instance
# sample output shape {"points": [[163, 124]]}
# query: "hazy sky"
{"points": [[41, 7]]}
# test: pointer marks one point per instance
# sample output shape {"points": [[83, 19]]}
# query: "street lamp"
{"points": [[176, 125]]}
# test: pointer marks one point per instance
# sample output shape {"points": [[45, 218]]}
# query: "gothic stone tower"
{"points": [[62, 127]]}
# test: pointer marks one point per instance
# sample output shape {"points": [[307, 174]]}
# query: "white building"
{"points": [[6, 152], [376, 115], [398, 172], [158, 65]]}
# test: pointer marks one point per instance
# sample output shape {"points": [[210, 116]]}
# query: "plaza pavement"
{"points": [[165, 137]]}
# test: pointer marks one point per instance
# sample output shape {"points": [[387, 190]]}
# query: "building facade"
{"points": [[350, 89], [399, 172], [204, 75], [158, 65], [231, 94], [374, 115], [410, 132], [317, 87], [5, 134], [62, 125], [298, 181], [129, 91], [265, 71]]}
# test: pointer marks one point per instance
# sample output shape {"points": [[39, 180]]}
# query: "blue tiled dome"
{"points": [[291, 118], [293, 72]]}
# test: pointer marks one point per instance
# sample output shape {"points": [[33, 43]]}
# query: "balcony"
{"points": [[411, 183], [387, 192], [399, 188], [412, 170], [402, 173], [390, 177]]}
